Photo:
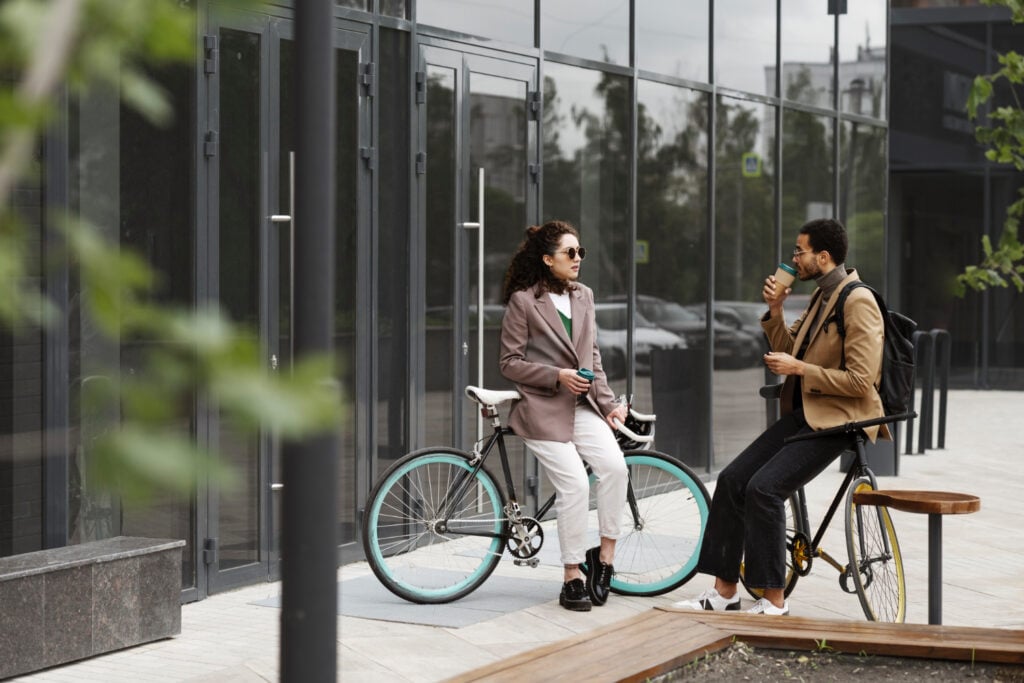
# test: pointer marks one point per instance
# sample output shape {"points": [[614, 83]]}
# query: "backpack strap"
{"points": [[840, 314]]}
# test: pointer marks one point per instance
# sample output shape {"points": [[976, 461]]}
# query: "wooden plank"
{"points": [[930, 502], [619, 649], [665, 639]]}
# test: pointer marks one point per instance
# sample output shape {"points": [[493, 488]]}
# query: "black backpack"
{"points": [[897, 389]]}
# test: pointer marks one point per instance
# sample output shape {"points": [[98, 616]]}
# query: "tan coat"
{"points": [[831, 395], [535, 346]]}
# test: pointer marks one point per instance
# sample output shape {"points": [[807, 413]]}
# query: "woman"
{"points": [[547, 335]]}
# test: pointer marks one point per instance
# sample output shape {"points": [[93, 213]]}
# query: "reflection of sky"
{"points": [[672, 35], [575, 88], [507, 20], [587, 28]]}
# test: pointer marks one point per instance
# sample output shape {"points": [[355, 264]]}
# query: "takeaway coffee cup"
{"points": [[785, 274], [586, 374]]}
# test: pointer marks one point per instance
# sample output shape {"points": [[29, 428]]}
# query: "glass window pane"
{"points": [[22, 381], [744, 256], [808, 32], [594, 29], [239, 260], [507, 20], [345, 270], [440, 247], [156, 223], [938, 215], [862, 56], [807, 184], [394, 8], [393, 286], [862, 198], [353, 4], [930, 127], [587, 177], [672, 38], [745, 45], [671, 268]]}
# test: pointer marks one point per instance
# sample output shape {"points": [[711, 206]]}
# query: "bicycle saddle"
{"points": [[490, 397]]}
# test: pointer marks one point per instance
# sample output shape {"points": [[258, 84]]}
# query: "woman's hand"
{"points": [[572, 381], [617, 416]]}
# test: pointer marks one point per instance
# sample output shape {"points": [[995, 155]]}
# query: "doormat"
{"points": [[366, 598]]}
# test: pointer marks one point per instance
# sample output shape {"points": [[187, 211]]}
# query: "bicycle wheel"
{"points": [[433, 531], [875, 559], [796, 545], [659, 546]]}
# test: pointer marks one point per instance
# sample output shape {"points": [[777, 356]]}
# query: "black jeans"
{"points": [[748, 513]]}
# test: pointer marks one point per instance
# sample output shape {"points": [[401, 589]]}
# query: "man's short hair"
{"points": [[827, 234]]}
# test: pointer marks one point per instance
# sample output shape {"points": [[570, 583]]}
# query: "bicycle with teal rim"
{"points": [[438, 523]]}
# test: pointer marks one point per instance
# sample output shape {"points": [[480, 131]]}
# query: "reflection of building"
{"points": [[944, 195]]}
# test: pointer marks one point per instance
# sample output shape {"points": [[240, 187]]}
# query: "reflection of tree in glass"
{"points": [[744, 208], [671, 198], [590, 185], [806, 161], [440, 199]]}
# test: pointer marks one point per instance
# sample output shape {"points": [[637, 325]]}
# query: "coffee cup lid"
{"points": [[788, 268]]}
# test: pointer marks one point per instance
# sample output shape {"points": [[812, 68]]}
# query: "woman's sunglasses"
{"points": [[572, 251]]}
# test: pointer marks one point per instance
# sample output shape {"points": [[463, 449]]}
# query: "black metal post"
{"points": [[934, 568], [924, 361], [942, 345], [309, 621]]}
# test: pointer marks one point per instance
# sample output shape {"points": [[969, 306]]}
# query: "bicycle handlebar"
{"points": [[633, 435], [851, 427]]}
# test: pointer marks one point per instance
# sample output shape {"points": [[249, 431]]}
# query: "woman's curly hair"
{"points": [[528, 268]]}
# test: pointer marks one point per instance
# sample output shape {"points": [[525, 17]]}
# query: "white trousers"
{"points": [[594, 443]]}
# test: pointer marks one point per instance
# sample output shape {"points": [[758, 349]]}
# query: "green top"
{"points": [[567, 321]]}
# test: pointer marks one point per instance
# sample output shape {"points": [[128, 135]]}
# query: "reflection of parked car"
{"points": [[612, 326], [733, 347], [744, 315]]}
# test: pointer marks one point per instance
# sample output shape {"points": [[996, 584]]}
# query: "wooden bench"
{"points": [[74, 602], [935, 504]]}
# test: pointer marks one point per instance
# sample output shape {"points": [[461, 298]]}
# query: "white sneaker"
{"points": [[763, 606], [710, 600]]}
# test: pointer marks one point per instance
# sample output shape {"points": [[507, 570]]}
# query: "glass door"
{"points": [[478, 138], [252, 119]]}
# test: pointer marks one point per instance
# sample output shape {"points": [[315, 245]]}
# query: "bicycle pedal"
{"points": [[531, 562]]}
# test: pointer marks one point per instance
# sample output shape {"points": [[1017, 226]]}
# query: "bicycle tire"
{"points": [[876, 558], [657, 552], [794, 530], [410, 555]]}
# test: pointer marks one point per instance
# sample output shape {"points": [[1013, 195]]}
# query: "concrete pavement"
{"points": [[233, 637]]}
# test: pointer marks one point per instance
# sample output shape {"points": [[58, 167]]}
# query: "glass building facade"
{"points": [[687, 141]]}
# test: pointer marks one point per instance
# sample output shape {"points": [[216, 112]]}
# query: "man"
{"points": [[747, 520]]}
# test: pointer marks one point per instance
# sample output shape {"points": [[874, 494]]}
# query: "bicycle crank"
{"points": [[526, 539]]}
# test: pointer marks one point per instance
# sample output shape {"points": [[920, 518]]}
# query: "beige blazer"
{"points": [[833, 395], [535, 346]]}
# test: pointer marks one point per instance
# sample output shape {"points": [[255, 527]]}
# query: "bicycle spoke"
{"points": [[657, 551], [433, 531], [875, 560]]}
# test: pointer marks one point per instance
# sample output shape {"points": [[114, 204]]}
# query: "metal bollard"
{"points": [[942, 343], [924, 368]]}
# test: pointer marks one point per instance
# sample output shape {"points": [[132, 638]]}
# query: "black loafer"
{"points": [[574, 596], [599, 577]]}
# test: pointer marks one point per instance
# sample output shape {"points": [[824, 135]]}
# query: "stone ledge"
{"points": [[69, 603]]}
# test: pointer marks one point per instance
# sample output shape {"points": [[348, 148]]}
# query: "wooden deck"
{"points": [[664, 639]]}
